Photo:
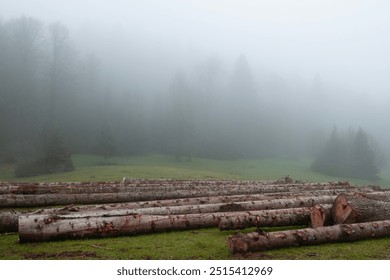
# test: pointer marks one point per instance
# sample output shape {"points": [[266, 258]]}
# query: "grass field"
{"points": [[89, 168], [192, 244]]}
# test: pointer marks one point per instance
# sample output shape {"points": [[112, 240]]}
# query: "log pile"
{"points": [[137, 206], [351, 217]]}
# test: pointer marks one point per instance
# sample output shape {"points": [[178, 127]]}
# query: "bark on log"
{"points": [[267, 218], [29, 200], [252, 242], [34, 228], [192, 209], [209, 200], [358, 207], [159, 185], [321, 215]]}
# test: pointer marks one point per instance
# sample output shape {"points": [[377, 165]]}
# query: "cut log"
{"points": [[321, 215], [359, 207], [29, 200], [221, 207], [34, 228], [252, 242], [210, 200], [161, 185], [239, 207], [266, 218]]}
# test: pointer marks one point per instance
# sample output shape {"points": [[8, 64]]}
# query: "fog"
{"points": [[216, 79]]}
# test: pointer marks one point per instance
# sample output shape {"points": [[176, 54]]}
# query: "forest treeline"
{"points": [[50, 88]]}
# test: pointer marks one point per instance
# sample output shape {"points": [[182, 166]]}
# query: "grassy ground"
{"points": [[88, 168], [192, 244]]}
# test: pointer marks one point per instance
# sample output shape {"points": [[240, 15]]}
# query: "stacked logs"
{"points": [[136, 206], [352, 216]]}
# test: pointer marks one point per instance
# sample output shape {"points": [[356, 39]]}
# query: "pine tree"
{"points": [[363, 160], [333, 159]]}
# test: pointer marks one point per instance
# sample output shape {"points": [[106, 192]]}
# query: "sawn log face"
{"points": [[360, 207]]}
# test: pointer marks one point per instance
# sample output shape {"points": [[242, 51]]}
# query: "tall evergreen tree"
{"points": [[363, 161], [332, 159]]}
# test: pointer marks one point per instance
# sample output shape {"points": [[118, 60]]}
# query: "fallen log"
{"points": [[224, 207], [34, 228], [260, 241], [320, 215], [159, 185], [267, 218], [211, 200], [190, 209], [359, 207]]}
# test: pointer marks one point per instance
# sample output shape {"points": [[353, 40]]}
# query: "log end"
{"points": [[342, 211], [237, 244], [317, 216]]}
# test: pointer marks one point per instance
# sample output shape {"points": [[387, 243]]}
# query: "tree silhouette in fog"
{"points": [[348, 156]]}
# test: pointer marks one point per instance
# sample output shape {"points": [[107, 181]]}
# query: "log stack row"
{"points": [[135, 206], [351, 217]]}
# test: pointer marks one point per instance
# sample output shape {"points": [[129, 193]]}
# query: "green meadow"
{"points": [[91, 168]]}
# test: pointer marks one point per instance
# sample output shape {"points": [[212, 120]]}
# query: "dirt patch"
{"points": [[65, 255], [231, 207]]}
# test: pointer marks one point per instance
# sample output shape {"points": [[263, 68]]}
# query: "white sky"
{"points": [[345, 41]]}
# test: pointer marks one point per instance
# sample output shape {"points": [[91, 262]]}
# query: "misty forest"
{"points": [[58, 99]]}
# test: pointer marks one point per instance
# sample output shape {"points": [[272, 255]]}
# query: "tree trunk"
{"points": [[252, 242], [267, 218], [71, 211], [30, 200], [162, 185], [38, 200], [219, 207], [321, 215], [34, 227], [359, 207]]}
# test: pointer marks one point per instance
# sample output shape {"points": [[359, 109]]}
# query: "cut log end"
{"points": [[320, 216], [342, 211], [237, 244]]}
